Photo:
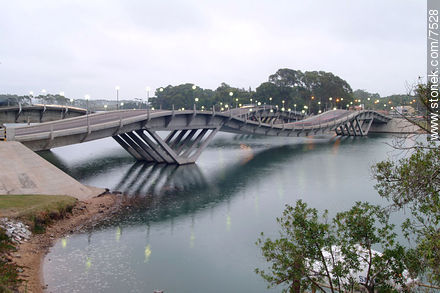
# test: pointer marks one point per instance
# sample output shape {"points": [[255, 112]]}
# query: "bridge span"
{"points": [[38, 113], [190, 131]]}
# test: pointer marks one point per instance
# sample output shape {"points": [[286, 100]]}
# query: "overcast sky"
{"points": [[89, 47]]}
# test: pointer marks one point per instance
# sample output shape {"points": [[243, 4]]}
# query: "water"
{"points": [[194, 227]]}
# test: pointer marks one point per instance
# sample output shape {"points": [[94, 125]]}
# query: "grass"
{"points": [[37, 211]]}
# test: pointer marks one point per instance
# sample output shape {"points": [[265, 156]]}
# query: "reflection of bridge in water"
{"points": [[190, 131], [165, 191]]}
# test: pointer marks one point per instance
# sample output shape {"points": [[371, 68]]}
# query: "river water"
{"points": [[194, 227]]}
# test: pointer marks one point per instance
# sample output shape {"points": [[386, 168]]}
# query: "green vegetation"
{"points": [[36, 210], [9, 278], [39, 210], [414, 184], [313, 251], [411, 184], [287, 88]]}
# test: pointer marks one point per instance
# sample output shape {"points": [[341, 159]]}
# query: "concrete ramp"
{"points": [[24, 172]]}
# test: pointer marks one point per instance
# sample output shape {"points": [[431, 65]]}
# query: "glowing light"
{"points": [[117, 87], [62, 94], [88, 263], [118, 233], [31, 93], [161, 89], [192, 239], [194, 87], [259, 103], [228, 223], [63, 242], [196, 99], [231, 94], [87, 97], [147, 253]]}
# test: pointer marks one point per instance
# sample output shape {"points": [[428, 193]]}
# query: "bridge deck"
{"points": [[191, 130]]}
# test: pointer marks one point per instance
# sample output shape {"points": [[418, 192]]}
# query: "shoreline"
{"points": [[30, 254]]}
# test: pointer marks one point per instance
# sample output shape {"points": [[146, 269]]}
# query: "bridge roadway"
{"points": [[190, 130], [38, 113]]}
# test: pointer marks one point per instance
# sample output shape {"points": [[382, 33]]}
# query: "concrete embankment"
{"points": [[395, 125], [24, 172]]}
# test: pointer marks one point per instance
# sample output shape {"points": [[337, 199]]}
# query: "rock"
{"points": [[15, 230]]}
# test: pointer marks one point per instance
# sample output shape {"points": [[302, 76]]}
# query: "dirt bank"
{"points": [[30, 254]]}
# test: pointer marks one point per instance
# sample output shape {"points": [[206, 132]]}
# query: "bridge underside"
{"points": [[179, 147], [354, 127]]}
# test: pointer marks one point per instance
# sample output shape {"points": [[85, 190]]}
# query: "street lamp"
{"points": [[87, 97], [117, 96], [43, 93], [148, 94]]}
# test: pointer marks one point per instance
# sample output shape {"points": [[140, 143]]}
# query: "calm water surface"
{"points": [[194, 227]]}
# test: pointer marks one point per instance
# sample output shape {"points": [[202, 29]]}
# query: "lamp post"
{"points": [[87, 97], [117, 96], [43, 93], [31, 95], [148, 95], [61, 94]]}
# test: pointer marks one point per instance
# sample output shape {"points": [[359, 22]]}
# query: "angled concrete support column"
{"points": [[136, 147], [151, 154], [359, 126], [368, 125], [160, 155], [127, 147], [170, 152], [179, 147]]}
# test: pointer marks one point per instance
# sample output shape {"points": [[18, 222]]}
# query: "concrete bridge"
{"points": [[38, 113], [190, 131]]}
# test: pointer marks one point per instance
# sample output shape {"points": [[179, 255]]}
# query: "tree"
{"points": [[414, 183], [312, 251]]}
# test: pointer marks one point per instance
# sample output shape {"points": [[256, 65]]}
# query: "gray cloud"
{"points": [[90, 46]]}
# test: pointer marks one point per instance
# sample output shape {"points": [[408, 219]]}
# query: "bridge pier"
{"points": [[179, 147]]}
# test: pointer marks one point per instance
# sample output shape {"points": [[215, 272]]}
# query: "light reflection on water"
{"points": [[194, 227]]}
